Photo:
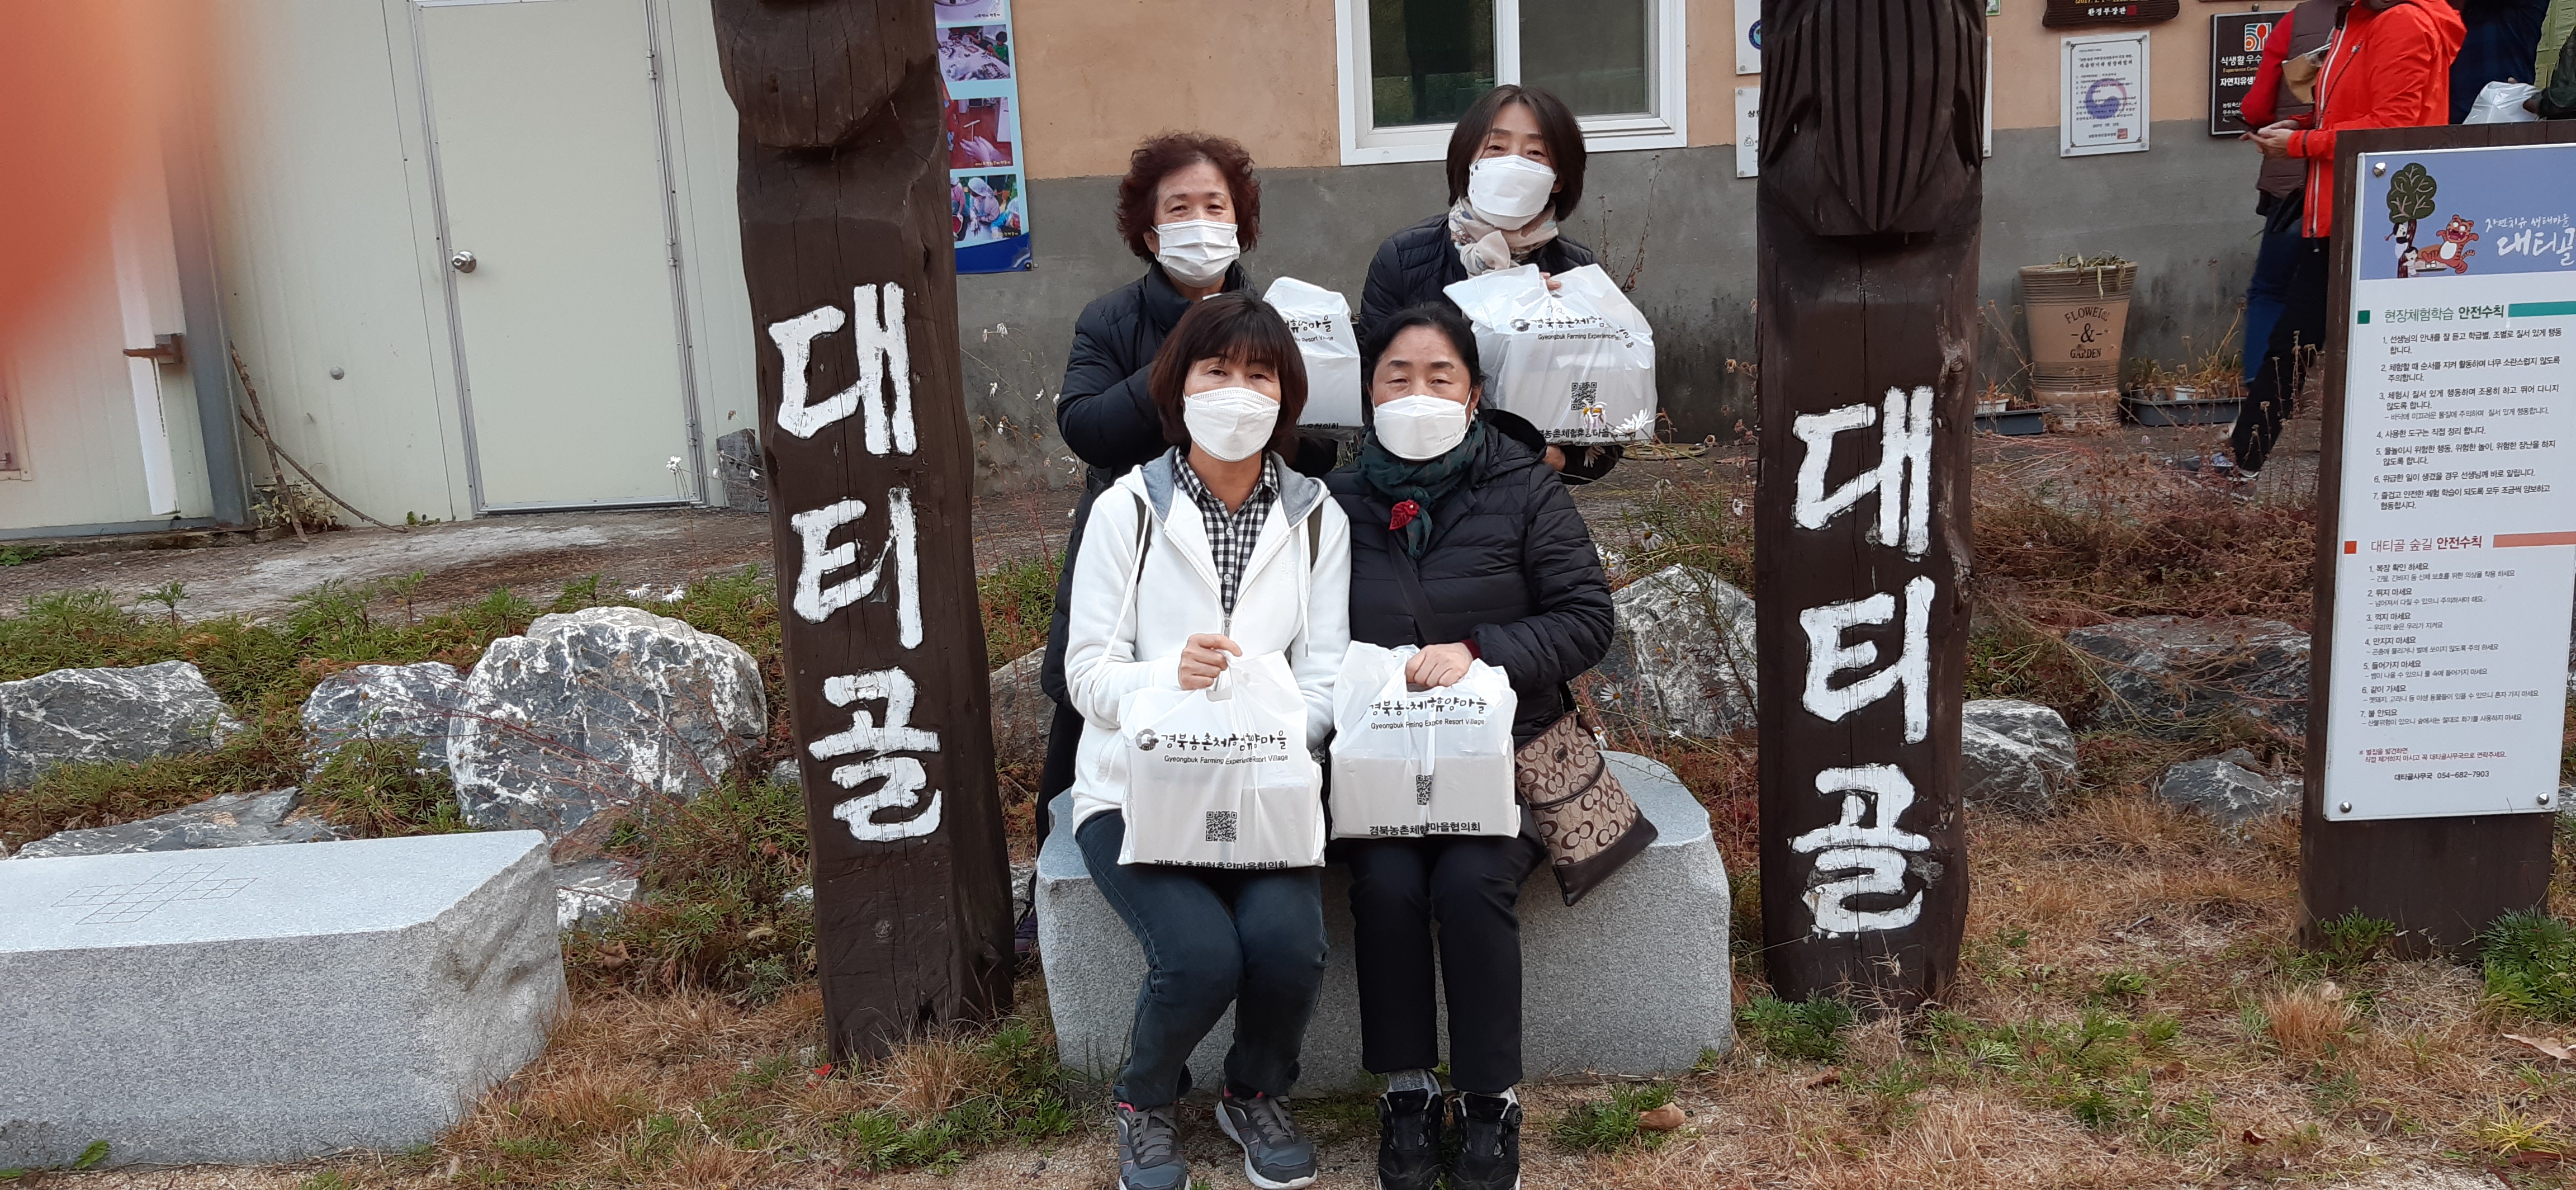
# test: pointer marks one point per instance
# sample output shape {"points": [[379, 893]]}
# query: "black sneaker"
{"points": [[1408, 1140], [1149, 1155], [1275, 1155], [1491, 1157]]}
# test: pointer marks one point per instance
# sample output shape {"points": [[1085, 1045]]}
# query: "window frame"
{"points": [[1667, 60]]}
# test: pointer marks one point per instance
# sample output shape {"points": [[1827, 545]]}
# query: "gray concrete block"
{"points": [[1635, 980], [269, 1003]]}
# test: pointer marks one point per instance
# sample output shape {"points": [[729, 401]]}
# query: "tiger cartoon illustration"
{"points": [[2454, 251]]}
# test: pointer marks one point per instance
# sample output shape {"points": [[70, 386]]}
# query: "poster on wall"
{"points": [[1748, 36], [988, 177], [2448, 683], [1748, 132], [2235, 51], [2102, 95]]}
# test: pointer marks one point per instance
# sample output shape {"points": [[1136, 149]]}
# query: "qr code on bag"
{"points": [[1583, 394], [1422, 789], [1220, 826]]}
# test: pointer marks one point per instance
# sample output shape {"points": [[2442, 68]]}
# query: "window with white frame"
{"points": [[1411, 67]]}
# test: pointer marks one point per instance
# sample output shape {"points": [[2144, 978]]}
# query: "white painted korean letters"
{"points": [[885, 360], [1827, 656], [1865, 840], [1902, 480], [903, 776], [816, 602]]}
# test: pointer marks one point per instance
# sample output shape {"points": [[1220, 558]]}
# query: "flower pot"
{"points": [[2076, 317]]}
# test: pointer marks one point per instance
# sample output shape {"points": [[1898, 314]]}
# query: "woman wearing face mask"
{"points": [[1507, 574], [1515, 171], [1214, 550], [1188, 205]]}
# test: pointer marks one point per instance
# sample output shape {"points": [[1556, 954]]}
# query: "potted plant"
{"points": [[2077, 310], [2204, 390]]}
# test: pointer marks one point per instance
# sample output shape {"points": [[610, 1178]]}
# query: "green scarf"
{"points": [[1424, 484]]}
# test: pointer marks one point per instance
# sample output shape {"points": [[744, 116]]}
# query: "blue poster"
{"points": [[2460, 213], [987, 174]]}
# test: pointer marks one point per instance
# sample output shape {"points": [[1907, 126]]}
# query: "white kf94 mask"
{"points": [[1509, 191], [1196, 251], [1230, 423], [1420, 427]]}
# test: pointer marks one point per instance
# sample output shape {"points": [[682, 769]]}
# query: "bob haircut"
{"points": [[1155, 160], [1555, 122], [1240, 328], [1439, 316]]}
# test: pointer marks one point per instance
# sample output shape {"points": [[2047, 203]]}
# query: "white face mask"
{"points": [[1196, 251], [1232, 424], [1420, 426], [1509, 191]]}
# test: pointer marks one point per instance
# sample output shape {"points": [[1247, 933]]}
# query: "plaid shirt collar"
{"points": [[1231, 535]]}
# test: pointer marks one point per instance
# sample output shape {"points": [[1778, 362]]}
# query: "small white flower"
{"points": [[673, 466]]}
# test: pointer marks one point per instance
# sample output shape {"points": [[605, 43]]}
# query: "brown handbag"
{"points": [[1570, 800]]}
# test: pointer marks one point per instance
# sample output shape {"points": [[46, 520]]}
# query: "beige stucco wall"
{"points": [[1096, 76]]}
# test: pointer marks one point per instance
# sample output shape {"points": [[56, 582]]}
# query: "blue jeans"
{"points": [[1211, 937], [2269, 292]]}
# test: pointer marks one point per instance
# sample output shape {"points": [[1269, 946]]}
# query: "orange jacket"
{"points": [[2388, 69]]}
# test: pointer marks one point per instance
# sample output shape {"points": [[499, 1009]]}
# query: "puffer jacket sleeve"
{"points": [[1106, 410], [1100, 665], [1317, 657], [1571, 629]]}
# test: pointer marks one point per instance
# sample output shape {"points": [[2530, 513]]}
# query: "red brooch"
{"points": [[1405, 511]]}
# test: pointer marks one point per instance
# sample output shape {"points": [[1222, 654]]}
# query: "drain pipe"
{"points": [[201, 303]]}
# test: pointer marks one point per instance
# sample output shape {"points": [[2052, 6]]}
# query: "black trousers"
{"points": [[2284, 370], [1471, 885], [1064, 734]]}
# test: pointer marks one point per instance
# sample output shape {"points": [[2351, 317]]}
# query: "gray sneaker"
{"points": [[1149, 1150], [1275, 1155]]}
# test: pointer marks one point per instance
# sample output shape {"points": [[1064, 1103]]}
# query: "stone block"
{"points": [[2226, 788], [1635, 980], [75, 716], [228, 820], [1681, 655], [2168, 669], [269, 1003], [1022, 714], [412, 704], [2014, 756]]}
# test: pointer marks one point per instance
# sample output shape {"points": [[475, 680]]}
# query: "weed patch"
{"points": [[1810, 1031], [1019, 601], [1611, 1125], [2530, 962]]}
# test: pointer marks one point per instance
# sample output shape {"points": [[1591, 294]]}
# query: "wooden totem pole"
{"points": [[1868, 218], [845, 242]]}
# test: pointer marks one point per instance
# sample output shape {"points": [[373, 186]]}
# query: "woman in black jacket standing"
{"points": [[1508, 575], [1515, 171]]}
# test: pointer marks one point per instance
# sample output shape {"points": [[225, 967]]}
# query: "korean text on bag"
{"points": [[1412, 762], [1220, 777]]}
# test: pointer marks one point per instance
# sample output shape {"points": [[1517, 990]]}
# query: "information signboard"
{"points": [[2235, 53], [2102, 95], [2457, 495]]}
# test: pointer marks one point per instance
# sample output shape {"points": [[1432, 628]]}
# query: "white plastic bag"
{"points": [[1321, 320], [1220, 777], [2501, 103], [1578, 362], [1421, 762]]}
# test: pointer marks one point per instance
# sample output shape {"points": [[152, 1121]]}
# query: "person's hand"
{"points": [[2532, 104], [1552, 283], [1556, 456], [2275, 141], [1438, 665], [1203, 658]]}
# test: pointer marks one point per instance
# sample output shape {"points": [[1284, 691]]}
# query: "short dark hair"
{"points": [[1439, 316], [1159, 156], [1556, 122], [1238, 327]]}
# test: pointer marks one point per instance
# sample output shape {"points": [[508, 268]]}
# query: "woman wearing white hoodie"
{"points": [[1214, 551]]}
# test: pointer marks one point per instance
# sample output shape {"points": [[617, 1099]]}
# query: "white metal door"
{"points": [[546, 119]]}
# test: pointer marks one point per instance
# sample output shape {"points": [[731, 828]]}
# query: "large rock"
{"points": [[1635, 980], [598, 710], [738, 471], [269, 1003], [2167, 669], [1022, 713], [84, 715], [1681, 658], [415, 704], [2016, 757], [231, 820], [594, 892], [2225, 789]]}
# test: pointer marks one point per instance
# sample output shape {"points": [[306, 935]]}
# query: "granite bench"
{"points": [[268, 1003], [1635, 980]]}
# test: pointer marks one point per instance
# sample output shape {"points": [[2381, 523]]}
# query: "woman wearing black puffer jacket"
{"points": [[1515, 171], [1508, 574]]}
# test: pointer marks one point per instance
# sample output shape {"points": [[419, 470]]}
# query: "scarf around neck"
{"points": [[1483, 247], [1423, 485]]}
